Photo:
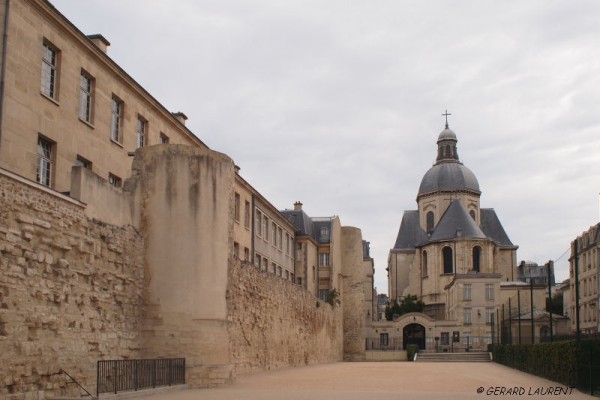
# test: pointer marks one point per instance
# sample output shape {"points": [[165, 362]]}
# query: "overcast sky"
{"points": [[338, 103]]}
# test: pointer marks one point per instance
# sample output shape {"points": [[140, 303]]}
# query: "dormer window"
{"points": [[324, 233]]}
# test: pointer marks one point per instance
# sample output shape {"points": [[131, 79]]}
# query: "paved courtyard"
{"points": [[390, 380]]}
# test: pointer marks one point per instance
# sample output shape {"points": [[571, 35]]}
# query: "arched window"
{"points": [[472, 214], [477, 259], [448, 260], [424, 261], [430, 221]]}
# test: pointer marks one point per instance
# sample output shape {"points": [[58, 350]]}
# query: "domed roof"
{"points": [[448, 176], [448, 173], [447, 134]]}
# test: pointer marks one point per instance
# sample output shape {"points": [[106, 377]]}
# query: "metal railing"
{"points": [[118, 375]]}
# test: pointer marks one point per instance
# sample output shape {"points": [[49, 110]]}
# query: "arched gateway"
{"points": [[413, 334]]}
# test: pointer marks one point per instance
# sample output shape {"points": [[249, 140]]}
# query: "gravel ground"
{"points": [[385, 380]]}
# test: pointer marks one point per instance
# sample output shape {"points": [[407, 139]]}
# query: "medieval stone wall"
{"points": [[275, 324], [71, 290]]}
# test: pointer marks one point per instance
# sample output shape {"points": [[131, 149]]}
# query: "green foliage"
{"points": [[411, 350], [565, 362], [407, 305], [334, 298], [555, 305]]}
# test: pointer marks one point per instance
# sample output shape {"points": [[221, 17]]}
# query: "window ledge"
{"points": [[87, 123], [52, 99], [117, 143]]}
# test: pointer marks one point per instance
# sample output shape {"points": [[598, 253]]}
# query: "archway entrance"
{"points": [[413, 334]]}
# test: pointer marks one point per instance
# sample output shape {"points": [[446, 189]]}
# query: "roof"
{"points": [[316, 228], [448, 176], [410, 234], [456, 222], [491, 226]]}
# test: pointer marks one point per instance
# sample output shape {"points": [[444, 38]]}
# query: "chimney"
{"points": [[297, 206], [100, 42], [181, 117]]}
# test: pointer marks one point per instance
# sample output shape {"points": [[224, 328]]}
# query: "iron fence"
{"points": [[431, 344], [118, 375]]}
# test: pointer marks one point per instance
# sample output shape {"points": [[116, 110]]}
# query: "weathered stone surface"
{"points": [[275, 324], [47, 316]]}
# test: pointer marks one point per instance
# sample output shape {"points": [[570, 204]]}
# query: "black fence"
{"points": [[118, 375]]}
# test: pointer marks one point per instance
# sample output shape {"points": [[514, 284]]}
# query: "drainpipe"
{"points": [[3, 67]]}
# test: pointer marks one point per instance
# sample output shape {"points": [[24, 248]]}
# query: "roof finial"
{"points": [[446, 115]]}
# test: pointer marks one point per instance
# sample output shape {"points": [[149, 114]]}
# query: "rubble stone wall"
{"points": [[275, 323], [71, 291]]}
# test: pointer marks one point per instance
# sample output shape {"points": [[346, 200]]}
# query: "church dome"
{"points": [[448, 176], [448, 173]]}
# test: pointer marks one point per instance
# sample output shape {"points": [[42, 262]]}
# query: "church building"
{"points": [[451, 253]]}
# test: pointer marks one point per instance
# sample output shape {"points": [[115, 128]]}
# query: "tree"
{"points": [[555, 305], [407, 305]]}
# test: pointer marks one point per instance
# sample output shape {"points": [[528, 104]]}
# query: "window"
{"points": [[44, 161], [448, 262], [467, 292], [258, 223], [236, 249], [142, 128], [246, 254], [116, 123], [299, 281], [324, 233], [324, 294], [273, 268], [86, 87], [247, 215], [467, 315], [445, 338], [49, 85], [164, 139], [280, 236], [476, 258], [489, 312], [472, 214], [424, 264], [257, 260], [384, 340], [323, 259], [274, 230], [237, 207], [265, 228], [287, 244], [114, 180], [430, 221], [82, 162], [489, 291], [278, 271], [265, 264]]}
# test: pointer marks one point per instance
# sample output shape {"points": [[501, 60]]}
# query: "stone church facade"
{"points": [[451, 253]]}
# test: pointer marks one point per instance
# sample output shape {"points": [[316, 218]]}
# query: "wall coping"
{"points": [[41, 188]]}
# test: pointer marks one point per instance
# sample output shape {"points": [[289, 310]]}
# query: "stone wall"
{"points": [[353, 295], [184, 208], [275, 324], [71, 290]]}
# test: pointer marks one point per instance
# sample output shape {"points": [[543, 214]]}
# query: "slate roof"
{"points": [[456, 222], [308, 226], [301, 221], [410, 234], [448, 176], [490, 224]]}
